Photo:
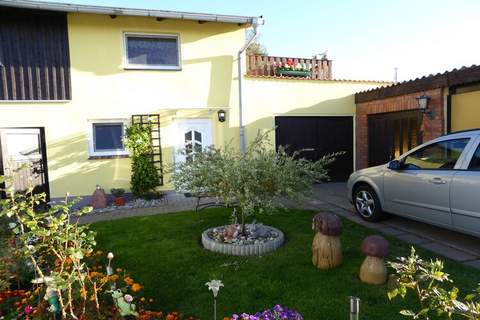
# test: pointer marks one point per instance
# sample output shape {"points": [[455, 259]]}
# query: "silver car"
{"points": [[438, 182]]}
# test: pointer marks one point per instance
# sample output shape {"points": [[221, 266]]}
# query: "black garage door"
{"points": [[392, 134], [320, 136]]}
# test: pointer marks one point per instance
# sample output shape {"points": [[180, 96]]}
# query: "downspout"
{"points": [[256, 23]]}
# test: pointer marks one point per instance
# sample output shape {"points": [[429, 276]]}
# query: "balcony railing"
{"points": [[319, 69]]}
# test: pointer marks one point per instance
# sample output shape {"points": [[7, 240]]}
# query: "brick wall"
{"points": [[430, 128]]}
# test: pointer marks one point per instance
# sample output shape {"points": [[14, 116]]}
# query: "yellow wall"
{"points": [[465, 111], [102, 89], [270, 97]]}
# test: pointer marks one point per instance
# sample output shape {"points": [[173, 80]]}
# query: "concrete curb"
{"points": [[243, 250]]}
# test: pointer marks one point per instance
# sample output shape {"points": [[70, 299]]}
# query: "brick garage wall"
{"points": [[430, 128]]}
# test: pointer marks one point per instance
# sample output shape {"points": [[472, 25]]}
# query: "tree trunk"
{"points": [[327, 251]]}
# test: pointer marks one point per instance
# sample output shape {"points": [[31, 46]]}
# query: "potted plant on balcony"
{"points": [[289, 69], [118, 194]]}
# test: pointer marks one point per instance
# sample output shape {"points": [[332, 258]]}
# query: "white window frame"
{"points": [[91, 144], [128, 65]]}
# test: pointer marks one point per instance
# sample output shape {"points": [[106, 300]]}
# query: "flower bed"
{"points": [[257, 240], [276, 313], [290, 69]]}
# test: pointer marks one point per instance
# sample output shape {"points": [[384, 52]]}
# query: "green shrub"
{"points": [[432, 286], [145, 177], [117, 192], [252, 181]]}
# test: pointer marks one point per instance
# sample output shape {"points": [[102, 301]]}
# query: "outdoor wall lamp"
{"points": [[221, 115], [423, 105]]}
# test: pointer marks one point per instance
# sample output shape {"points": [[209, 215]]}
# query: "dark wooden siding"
{"points": [[392, 134], [34, 55]]}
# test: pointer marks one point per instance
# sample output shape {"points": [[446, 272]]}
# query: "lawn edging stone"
{"points": [[257, 249]]}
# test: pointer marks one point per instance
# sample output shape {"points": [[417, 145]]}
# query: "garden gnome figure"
{"points": [[99, 198], [326, 247], [373, 269], [51, 293], [230, 232]]}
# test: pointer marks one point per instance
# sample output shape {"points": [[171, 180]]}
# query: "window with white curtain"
{"points": [[152, 51]]}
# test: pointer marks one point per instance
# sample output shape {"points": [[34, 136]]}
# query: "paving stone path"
{"points": [[453, 245]]}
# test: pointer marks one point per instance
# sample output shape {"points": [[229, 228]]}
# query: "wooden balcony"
{"points": [[317, 69]]}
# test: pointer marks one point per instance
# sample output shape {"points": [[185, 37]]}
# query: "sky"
{"points": [[366, 39]]}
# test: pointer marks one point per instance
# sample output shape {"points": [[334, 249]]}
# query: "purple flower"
{"points": [[276, 313]]}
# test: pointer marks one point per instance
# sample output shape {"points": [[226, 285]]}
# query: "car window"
{"points": [[440, 155], [475, 162]]}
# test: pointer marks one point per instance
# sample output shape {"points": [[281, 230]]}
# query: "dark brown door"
{"points": [[319, 136], [23, 157], [392, 134]]}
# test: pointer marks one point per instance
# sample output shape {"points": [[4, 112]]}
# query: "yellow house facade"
{"points": [[106, 89]]}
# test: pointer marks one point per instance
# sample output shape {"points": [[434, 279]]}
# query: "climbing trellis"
{"points": [[154, 121]]}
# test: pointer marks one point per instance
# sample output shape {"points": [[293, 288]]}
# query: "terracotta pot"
{"points": [[119, 201]]}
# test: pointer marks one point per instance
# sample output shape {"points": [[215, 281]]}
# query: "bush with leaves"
{"points": [[53, 245], [144, 178], [428, 281], [252, 181], [65, 267]]}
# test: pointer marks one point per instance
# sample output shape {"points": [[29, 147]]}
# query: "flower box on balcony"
{"points": [[292, 73]]}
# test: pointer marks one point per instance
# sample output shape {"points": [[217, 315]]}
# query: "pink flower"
{"points": [[28, 309], [128, 298]]}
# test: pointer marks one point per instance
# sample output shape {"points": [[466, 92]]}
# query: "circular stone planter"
{"points": [[257, 249]]}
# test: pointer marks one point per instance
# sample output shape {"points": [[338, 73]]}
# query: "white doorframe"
{"points": [[203, 127]]}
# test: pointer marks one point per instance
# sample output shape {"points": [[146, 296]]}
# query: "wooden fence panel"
{"points": [[320, 69], [34, 55]]}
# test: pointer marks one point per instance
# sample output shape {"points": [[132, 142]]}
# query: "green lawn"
{"points": [[164, 253]]}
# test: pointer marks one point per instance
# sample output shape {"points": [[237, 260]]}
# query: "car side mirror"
{"points": [[395, 165]]}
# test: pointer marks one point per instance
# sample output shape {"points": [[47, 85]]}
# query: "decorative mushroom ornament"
{"points": [[326, 247], [373, 269]]}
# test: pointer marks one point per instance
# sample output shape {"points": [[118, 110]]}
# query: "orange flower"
{"points": [[94, 274], [129, 281], [136, 287], [83, 292], [113, 277], [142, 299], [119, 269]]}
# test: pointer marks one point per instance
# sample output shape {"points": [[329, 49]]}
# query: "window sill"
{"points": [[116, 156], [152, 68]]}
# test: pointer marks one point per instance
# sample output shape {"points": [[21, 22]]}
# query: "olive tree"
{"points": [[251, 181]]}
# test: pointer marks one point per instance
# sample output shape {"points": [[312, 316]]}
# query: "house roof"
{"points": [[455, 77], [163, 14]]}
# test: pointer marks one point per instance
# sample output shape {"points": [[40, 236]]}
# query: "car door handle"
{"points": [[437, 180]]}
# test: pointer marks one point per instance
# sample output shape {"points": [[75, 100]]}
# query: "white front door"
{"points": [[192, 135]]}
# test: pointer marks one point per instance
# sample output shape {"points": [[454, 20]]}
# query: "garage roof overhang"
{"points": [[463, 76], [116, 11]]}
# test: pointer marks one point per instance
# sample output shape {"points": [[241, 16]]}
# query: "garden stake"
{"points": [[110, 269], [354, 308], [214, 286]]}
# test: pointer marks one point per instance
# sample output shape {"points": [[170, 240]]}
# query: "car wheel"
{"points": [[367, 204]]}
